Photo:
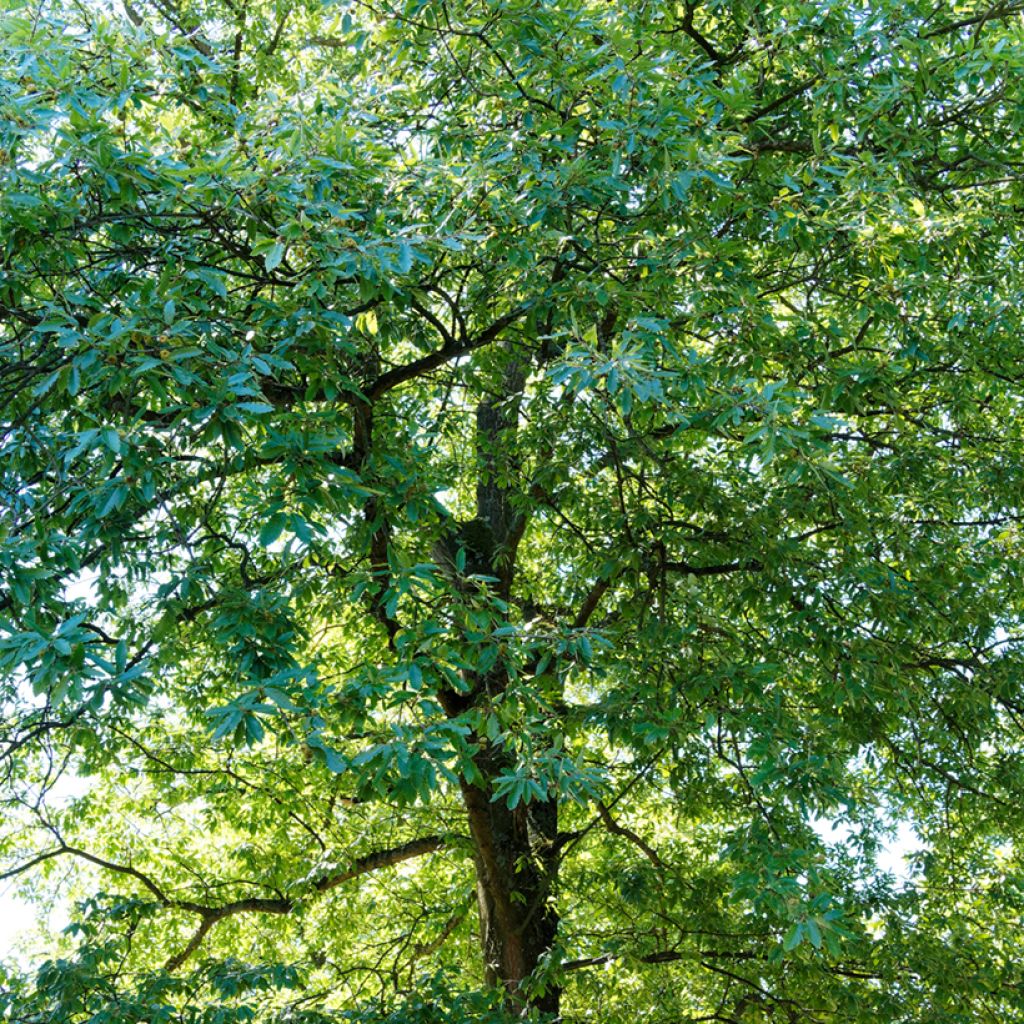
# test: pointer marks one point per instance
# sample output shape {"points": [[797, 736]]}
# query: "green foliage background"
{"points": [[742, 284]]}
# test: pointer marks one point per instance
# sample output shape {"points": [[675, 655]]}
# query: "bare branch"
{"points": [[194, 943]]}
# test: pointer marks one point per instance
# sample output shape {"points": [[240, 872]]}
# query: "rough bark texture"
{"points": [[515, 850]]}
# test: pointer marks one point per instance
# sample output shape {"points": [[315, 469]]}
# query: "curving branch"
{"points": [[285, 905], [210, 915], [690, 30], [627, 833], [74, 851]]}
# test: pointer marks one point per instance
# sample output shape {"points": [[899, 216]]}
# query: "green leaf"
{"points": [[405, 257], [112, 439], [793, 937], [273, 256], [273, 528]]}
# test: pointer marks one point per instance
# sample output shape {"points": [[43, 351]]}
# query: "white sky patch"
{"points": [[22, 922], [895, 855]]}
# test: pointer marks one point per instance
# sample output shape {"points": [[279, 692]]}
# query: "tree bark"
{"points": [[514, 848], [515, 853]]}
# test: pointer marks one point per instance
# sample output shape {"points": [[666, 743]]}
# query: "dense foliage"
{"points": [[506, 505]]}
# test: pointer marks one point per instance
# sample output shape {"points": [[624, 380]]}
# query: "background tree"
{"points": [[506, 506]]}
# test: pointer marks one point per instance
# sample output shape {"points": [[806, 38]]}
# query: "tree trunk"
{"points": [[514, 849], [515, 853]]}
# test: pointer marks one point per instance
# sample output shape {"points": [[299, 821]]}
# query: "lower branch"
{"points": [[210, 915]]}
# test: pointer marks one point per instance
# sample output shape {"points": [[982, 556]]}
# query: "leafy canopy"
{"points": [[507, 505]]}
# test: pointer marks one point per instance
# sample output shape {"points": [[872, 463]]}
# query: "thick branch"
{"points": [[590, 603], [382, 859], [400, 374], [193, 944]]}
